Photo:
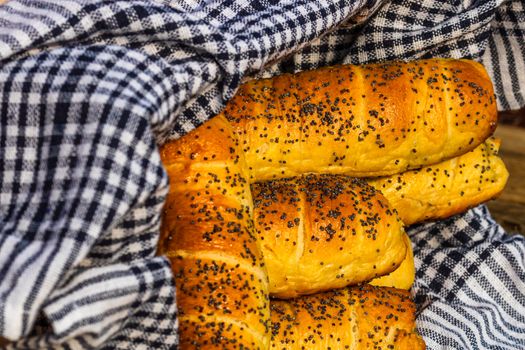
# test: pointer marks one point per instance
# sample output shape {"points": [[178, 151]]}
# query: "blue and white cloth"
{"points": [[89, 89]]}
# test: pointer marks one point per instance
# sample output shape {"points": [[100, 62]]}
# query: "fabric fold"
{"points": [[21, 301], [76, 164], [105, 297], [98, 302], [470, 283]]}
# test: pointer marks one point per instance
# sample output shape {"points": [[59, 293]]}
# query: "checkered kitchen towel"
{"points": [[89, 88]]}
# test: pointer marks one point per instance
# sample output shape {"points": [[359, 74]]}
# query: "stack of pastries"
{"points": [[285, 218]]}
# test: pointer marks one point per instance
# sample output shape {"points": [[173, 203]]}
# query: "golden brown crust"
{"points": [[319, 232], [403, 277], [201, 333], [448, 188], [360, 317], [370, 120], [208, 234]]}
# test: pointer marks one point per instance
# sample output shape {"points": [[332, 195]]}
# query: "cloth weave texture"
{"points": [[89, 89]]}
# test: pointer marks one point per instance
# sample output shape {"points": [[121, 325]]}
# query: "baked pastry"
{"points": [[403, 277], [319, 232], [372, 120], [207, 233], [357, 318], [369, 120], [448, 188]]}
